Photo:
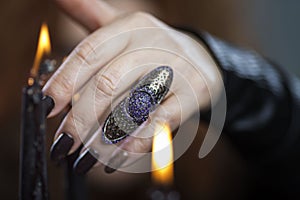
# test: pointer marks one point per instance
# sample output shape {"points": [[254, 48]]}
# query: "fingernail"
{"points": [[116, 162], [61, 147], [85, 161], [49, 104]]}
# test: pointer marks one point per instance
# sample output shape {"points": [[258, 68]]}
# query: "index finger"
{"points": [[83, 63]]}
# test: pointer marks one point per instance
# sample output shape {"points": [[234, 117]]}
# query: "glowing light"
{"points": [[30, 81], [44, 47], [162, 156]]}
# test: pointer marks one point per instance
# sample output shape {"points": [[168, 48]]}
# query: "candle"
{"points": [[33, 162], [33, 165], [162, 165]]}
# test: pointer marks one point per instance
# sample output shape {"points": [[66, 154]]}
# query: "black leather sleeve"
{"points": [[263, 117], [263, 102]]}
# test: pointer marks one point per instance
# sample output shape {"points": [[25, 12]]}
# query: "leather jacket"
{"points": [[263, 117]]}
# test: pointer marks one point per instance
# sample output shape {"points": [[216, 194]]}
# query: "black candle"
{"points": [[33, 173], [33, 164]]}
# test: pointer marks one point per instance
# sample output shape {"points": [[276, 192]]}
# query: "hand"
{"points": [[101, 70]]}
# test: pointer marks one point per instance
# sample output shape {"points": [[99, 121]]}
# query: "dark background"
{"points": [[269, 26]]}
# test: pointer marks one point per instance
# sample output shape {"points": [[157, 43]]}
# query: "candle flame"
{"points": [[162, 155], [30, 81], [44, 47]]}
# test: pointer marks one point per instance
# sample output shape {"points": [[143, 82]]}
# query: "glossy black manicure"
{"points": [[85, 161], [116, 162], [48, 103], [61, 147]]}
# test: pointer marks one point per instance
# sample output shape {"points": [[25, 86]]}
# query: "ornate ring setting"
{"points": [[132, 111]]}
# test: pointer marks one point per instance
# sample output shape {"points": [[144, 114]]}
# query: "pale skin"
{"points": [[98, 73]]}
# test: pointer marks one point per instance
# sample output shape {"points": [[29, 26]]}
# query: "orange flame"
{"points": [[162, 156], [44, 47]]}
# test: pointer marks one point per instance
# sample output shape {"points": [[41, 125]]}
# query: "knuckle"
{"points": [[85, 51], [61, 85], [148, 20], [76, 122], [141, 145], [66, 84], [106, 82], [141, 14]]}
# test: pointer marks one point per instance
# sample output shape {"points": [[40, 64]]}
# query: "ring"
{"points": [[132, 111]]}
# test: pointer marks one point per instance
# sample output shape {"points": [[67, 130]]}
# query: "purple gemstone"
{"points": [[140, 104], [135, 109]]}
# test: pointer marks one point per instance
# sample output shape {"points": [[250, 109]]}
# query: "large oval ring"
{"points": [[132, 111]]}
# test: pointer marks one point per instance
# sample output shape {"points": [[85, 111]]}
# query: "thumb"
{"points": [[92, 14]]}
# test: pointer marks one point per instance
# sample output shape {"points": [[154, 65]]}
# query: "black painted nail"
{"points": [[61, 147], [85, 161], [48, 103], [116, 162]]}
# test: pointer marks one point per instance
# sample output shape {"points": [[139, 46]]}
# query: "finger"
{"points": [[85, 60], [94, 103], [137, 145], [90, 13], [89, 57], [172, 111], [109, 83]]}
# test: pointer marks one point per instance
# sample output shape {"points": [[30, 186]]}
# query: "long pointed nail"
{"points": [[85, 161], [116, 162], [61, 147], [49, 104]]}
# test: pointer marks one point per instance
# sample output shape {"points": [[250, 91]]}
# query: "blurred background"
{"points": [[269, 26]]}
